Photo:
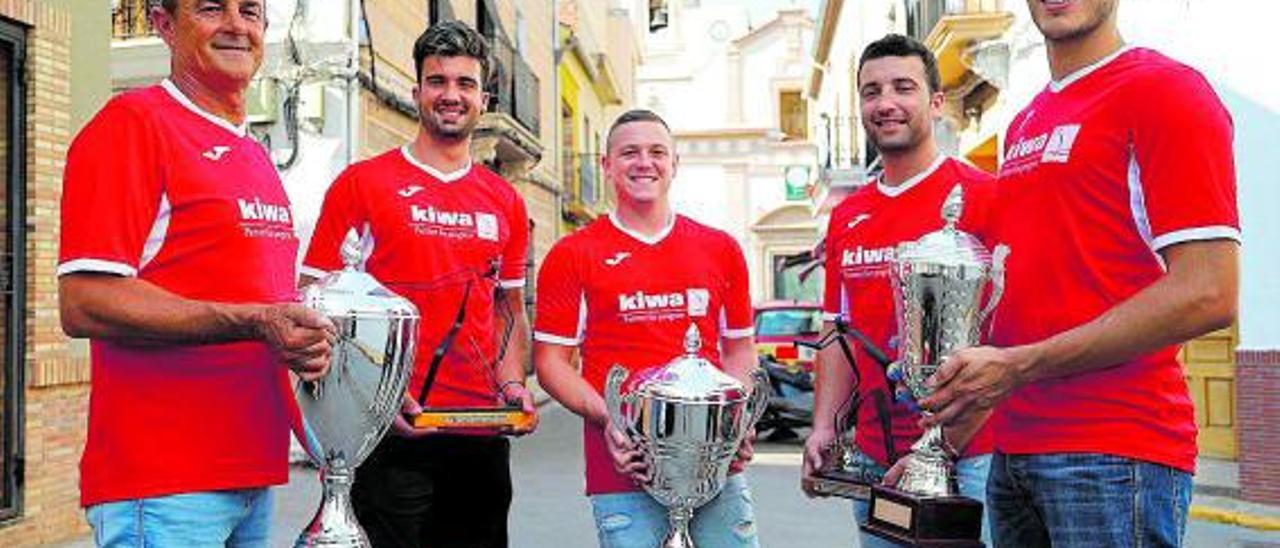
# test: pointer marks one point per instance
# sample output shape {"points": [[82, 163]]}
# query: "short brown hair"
{"points": [[632, 116]]}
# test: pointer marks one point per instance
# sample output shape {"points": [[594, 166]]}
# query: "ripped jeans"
{"points": [[635, 520]]}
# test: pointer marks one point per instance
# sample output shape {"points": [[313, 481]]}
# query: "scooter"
{"points": [[791, 403]]}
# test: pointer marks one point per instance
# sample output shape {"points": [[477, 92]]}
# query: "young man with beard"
{"points": [[901, 98], [692, 274], [174, 226], [449, 236], [1117, 197]]}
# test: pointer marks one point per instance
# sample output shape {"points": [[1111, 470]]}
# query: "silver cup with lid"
{"points": [[688, 418], [346, 412]]}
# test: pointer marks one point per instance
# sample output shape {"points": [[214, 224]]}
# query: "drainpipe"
{"points": [[556, 138], [353, 84]]}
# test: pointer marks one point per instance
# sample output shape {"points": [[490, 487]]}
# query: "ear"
{"points": [[484, 101], [936, 101], [163, 22]]}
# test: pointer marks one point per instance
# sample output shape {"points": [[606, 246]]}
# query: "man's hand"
{"points": [[303, 337], [816, 449], [975, 380], [403, 426], [894, 473], [514, 393], [628, 459], [746, 451]]}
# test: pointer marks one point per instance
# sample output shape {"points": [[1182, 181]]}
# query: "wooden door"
{"points": [[1210, 366]]}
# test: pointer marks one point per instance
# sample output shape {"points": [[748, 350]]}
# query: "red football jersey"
{"points": [[159, 189], [1101, 171], [862, 235], [626, 299], [427, 236]]}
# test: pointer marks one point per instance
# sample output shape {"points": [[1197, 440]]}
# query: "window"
{"points": [[796, 282], [793, 114], [13, 163]]}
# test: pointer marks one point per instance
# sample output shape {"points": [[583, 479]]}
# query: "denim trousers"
{"points": [[237, 518], [971, 475], [636, 520], [1067, 500]]}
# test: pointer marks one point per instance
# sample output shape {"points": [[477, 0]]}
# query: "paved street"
{"points": [[550, 511]]}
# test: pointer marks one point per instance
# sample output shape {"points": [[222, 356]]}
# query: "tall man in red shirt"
{"points": [[901, 98], [1117, 198], [452, 237], [175, 228], [623, 290]]}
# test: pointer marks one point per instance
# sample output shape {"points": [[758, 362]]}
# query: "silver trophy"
{"points": [[938, 286], [688, 418], [346, 412]]}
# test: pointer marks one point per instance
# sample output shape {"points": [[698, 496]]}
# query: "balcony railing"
{"points": [[129, 19], [582, 178], [923, 15], [514, 87]]}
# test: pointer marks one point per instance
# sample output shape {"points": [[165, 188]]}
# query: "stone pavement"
{"points": [[1217, 498]]}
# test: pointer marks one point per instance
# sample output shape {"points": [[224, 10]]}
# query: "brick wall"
{"points": [[57, 368], [1258, 407]]}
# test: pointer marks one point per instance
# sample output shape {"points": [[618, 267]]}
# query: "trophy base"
{"points": [[502, 420], [838, 483], [914, 520]]}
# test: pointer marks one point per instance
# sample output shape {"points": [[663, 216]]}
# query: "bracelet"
{"points": [[502, 388]]}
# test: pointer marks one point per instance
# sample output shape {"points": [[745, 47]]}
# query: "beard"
{"points": [[451, 131], [1093, 20]]}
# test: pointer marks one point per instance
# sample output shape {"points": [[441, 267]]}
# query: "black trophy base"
{"points": [[933, 522], [839, 483]]}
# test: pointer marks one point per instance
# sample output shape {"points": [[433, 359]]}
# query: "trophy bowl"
{"points": [[688, 418], [939, 282], [346, 412]]}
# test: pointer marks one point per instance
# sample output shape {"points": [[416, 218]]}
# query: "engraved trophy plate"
{"points": [[688, 418], [939, 282], [346, 413]]}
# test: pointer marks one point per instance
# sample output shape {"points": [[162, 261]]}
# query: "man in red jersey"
{"points": [[177, 261], [452, 237], [901, 98], [624, 290], [1117, 197]]}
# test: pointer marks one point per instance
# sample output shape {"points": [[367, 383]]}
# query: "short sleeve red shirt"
{"points": [[427, 236], [626, 299], [863, 232], [1101, 171], [158, 189]]}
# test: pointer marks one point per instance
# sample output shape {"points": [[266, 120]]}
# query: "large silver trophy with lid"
{"points": [[346, 412], [688, 418], [939, 282]]}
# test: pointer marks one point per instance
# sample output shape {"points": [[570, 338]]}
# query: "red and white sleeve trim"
{"points": [[555, 339], [511, 284], [737, 333], [97, 265], [1195, 234]]}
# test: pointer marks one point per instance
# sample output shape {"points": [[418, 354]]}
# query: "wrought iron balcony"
{"points": [[130, 19], [514, 87]]}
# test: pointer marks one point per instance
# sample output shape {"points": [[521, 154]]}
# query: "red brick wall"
{"points": [[1258, 408]]}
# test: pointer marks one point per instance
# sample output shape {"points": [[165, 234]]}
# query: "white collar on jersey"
{"points": [[444, 177], [182, 99], [1059, 85], [895, 191], [651, 240]]}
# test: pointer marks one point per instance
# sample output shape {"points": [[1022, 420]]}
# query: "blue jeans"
{"points": [[1086, 499], [971, 474], [239, 518], [635, 520]]}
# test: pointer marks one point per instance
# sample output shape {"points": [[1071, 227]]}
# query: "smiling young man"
{"points": [[450, 236], [161, 267], [900, 96], [1117, 198], [683, 273]]}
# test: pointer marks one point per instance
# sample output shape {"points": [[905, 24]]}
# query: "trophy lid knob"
{"points": [[953, 206], [692, 340], [350, 250]]}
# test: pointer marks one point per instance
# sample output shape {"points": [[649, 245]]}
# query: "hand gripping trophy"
{"points": [[688, 418], [938, 286], [346, 412]]}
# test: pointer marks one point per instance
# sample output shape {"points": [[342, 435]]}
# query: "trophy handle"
{"points": [[613, 399], [998, 257], [759, 400]]}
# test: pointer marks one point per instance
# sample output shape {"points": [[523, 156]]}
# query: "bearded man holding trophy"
{"points": [[451, 237], [632, 291], [901, 98]]}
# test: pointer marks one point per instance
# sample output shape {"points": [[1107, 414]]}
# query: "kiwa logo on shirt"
{"points": [[259, 219], [429, 221], [1053, 147], [639, 306], [860, 256]]}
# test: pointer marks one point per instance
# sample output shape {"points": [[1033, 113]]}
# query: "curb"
{"points": [[1231, 517]]}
